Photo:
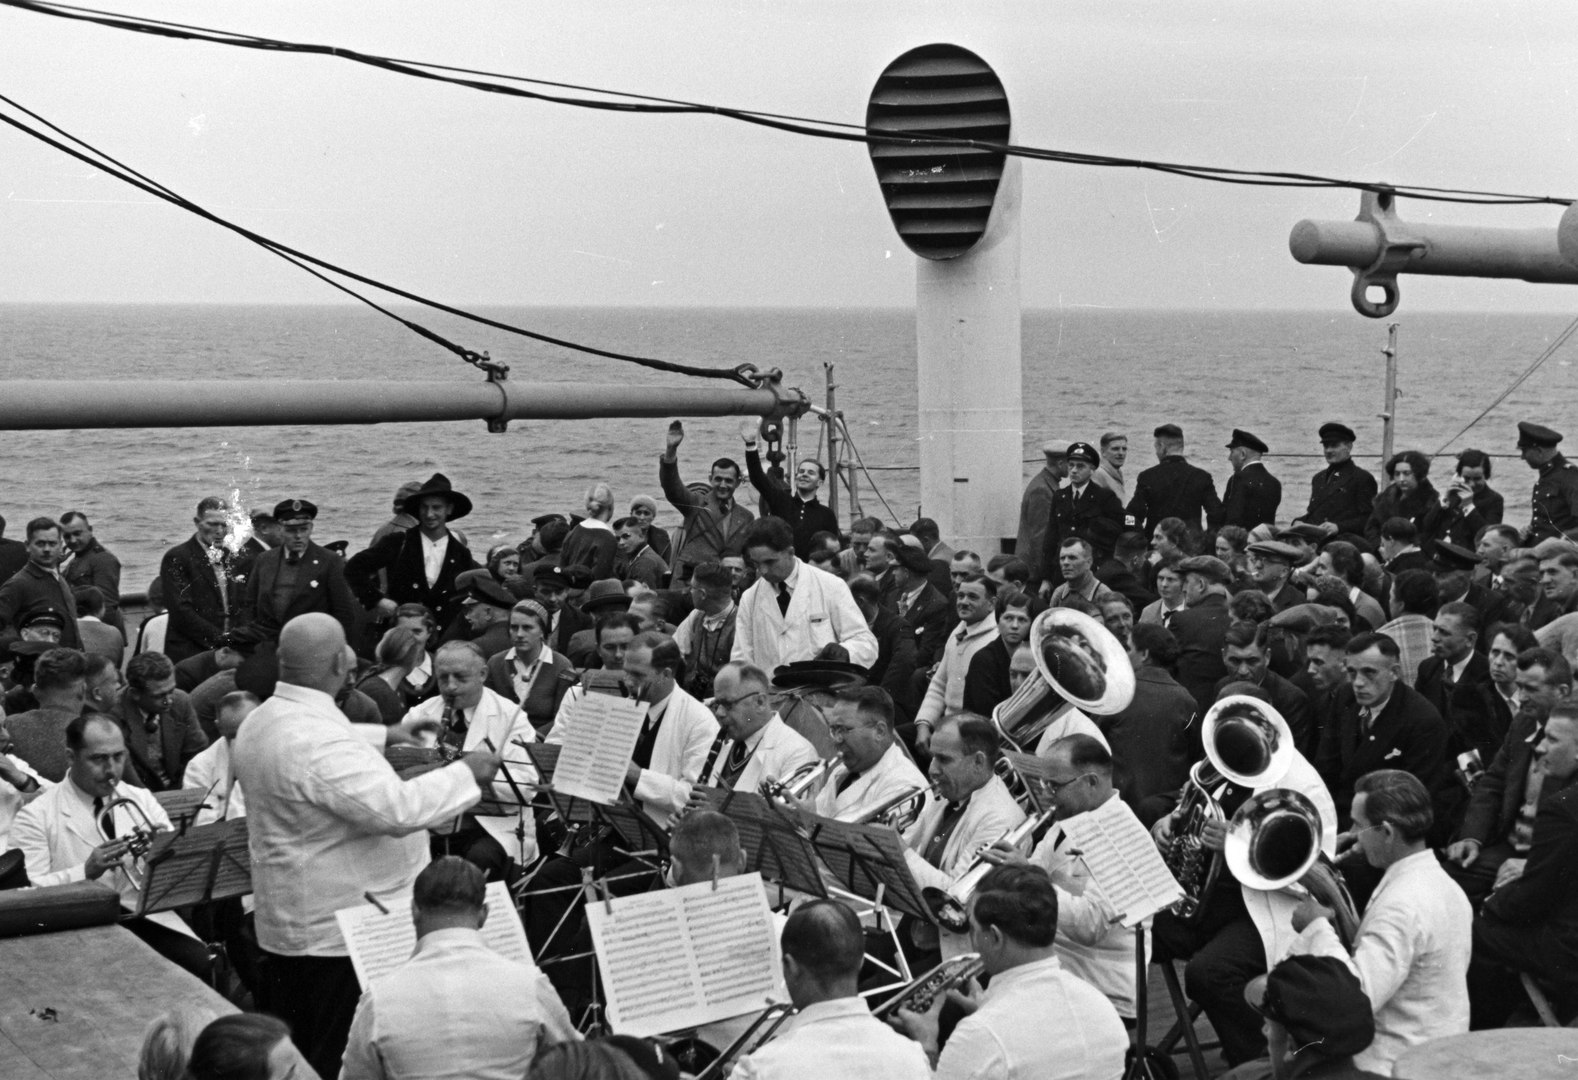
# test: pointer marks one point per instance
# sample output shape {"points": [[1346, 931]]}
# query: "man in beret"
{"points": [[1173, 488], [1201, 627], [1271, 564], [1317, 1018], [1252, 494], [1556, 491], [296, 577], [421, 564], [1035, 505], [1342, 495], [1083, 510]]}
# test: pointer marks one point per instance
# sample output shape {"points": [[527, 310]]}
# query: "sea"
{"points": [[1086, 371]]}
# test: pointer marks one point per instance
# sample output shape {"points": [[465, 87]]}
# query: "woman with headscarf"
{"points": [[644, 509]]}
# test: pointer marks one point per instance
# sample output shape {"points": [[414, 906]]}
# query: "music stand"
{"points": [[182, 805], [774, 845], [203, 864], [868, 860], [545, 758]]}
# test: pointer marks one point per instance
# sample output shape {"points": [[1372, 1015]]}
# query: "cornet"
{"points": [[919, 995], [899, 812], [138, 841], [801, 784]]}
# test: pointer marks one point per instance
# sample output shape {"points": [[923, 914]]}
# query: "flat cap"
{"points": [[1332, 431], [1453, 557], [1276, 549], [1168, 431], [1245, 439], [542, 519], [482, 589], [1207, 566], [912, 559], [294, 510], [1531, 434], [1083, 451], [1319, 1001], [1055, 447], [1304, 531]]}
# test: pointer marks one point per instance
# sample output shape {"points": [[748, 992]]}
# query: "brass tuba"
{"points": [[1246, 742], [1274, 841], [1079, 664]]}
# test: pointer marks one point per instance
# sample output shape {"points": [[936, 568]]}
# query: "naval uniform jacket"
{"points": [[199, 608], [1174, 488], [1094, 515], [401, 555], [320, 586], [1251, 497], [1555, 501], [1342, 494]]}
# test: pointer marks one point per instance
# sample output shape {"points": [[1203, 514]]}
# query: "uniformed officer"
{"points": [[1173, 488], [1342, 494], [1080, 508], [1252, 494], [1556, 491]]}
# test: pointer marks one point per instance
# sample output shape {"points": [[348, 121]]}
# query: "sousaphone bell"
{"points": [[1079, 664]]}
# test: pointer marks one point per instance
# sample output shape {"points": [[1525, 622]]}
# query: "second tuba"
{"points": [[1246, 742], [1079, 664]]}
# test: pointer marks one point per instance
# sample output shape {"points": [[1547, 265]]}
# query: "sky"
{"points": [[478, 199]]}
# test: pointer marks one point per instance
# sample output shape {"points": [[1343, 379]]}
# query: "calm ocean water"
{"points": [[1279, 374]]}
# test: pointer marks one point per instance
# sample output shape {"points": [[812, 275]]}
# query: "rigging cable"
{"points": [[1557, 343], [745, 374], [855, 450], [824, 129]]}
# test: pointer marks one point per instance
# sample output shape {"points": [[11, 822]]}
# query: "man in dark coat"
{"points": [[1150, 738], [564, 622], [1124, 573], [91, 564], [1530, 924], [1245, 653], [1173, 488], [1342, 495], [1079, 509], [421, 564], [13, 554], [38, 587], [1450, 677], [928, 612], [895, 666], [800, 507], [296, 577], [1382, 724], [201, 590], [161, 727], [1556, 491], [1201, 627], [1252, 494]]}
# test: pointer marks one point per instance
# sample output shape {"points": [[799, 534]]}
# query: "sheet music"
{"points": [[597, 747], [684, 957], [379, 943], [1124, 861]]}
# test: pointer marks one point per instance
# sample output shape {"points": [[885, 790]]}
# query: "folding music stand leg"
{"points": [[1139, 1067], [1185, 1024]]}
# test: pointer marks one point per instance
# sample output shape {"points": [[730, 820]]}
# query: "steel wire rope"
{"points": [[90, 155], [1556, 343], [817, 128]]}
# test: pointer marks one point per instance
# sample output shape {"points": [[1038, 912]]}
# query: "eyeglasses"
{"points": [[1055, 786], [838, 732], [719, 704]]}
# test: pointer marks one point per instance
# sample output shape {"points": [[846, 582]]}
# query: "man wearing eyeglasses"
{"points": [[872, 768], [755, 745]]}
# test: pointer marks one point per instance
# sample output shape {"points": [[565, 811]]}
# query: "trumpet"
{"points": [[919, 995], [800, 784], [139, 841], [899, 812], [949, 906]]}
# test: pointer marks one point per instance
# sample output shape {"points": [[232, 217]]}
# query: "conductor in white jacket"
{"points": [[795, 611]]}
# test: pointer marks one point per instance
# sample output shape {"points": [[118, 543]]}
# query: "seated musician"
{"points": [[210, 771], [469, 716], [755, 745], [1091, 943], [833, 1035], [1035, 1019], [1498, 828], [1317, 1020], [1411, 950], [972, 809], [456, 1008], [19, 785], [1238, 931], [62, 840], [1530, 923], [615, 631], [873, 770]]}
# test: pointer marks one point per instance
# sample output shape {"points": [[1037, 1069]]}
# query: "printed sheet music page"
{"points": [[379, 943], [1124, 861], [597, 747]]}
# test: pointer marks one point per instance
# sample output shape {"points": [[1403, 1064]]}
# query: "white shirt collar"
{"points": [[712, 622]]}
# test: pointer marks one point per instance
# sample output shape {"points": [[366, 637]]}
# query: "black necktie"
{"points": [[844, 781], [783, 599], [107, 822], [642, 754], [734, 764]]}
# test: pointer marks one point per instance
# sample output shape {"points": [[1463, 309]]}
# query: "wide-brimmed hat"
{"points": [[823, 674], [438, 484]]}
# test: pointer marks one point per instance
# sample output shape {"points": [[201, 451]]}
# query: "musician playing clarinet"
{"points": [[755, 745], [1035, 1019], [469, 717], [1412, 948]]}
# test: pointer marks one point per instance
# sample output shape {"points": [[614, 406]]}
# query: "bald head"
{"points": [[312, 652]]}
